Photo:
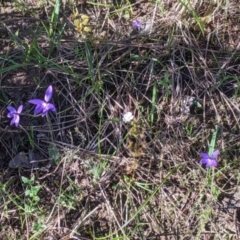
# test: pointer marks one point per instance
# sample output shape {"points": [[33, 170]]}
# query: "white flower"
{"points": [[128, 117]]}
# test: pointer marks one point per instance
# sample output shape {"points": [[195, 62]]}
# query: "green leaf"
{"points": [[25, 180], [53, 152], [213, 141]]}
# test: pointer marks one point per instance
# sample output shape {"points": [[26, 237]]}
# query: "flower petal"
{"points": [[11, 109], [48, 107], [36, 101], [205, 155], [44, 113], [128, 117], [214, 163], [215, 154], [211, 163], [16, 120], [10, 115], [20, 108], [52, 107], [38, 109], [12, 122], [204, 161], [48, 93], [137, 24]]}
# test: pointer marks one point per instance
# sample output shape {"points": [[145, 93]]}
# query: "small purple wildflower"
{"points": [[137, 24], [44, 106], [210, 160], [14, 114]]}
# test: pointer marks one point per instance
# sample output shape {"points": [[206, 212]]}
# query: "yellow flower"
{"points": [[80, 24], [87, 29], [85, 19]]}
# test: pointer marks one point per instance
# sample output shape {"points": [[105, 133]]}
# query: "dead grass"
{"points": [[116, 180]]}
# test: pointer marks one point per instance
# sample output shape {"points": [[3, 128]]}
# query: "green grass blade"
{"points": [[213, 141]]}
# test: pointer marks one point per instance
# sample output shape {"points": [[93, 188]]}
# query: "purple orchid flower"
{"points": [[210, 160], [14, 114], [137, 24], [44, 106]]}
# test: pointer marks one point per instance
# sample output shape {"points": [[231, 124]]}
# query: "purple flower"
{"points": [[14, 114], [137, 24], [210, 160], [44, 106]]}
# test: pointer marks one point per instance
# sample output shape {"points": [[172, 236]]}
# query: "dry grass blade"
{"points": [[97, 175]]}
